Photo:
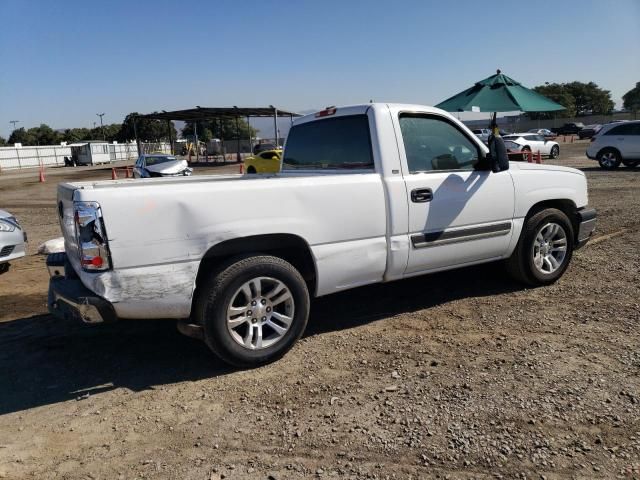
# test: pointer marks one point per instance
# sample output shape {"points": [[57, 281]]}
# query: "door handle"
{"points": [[421, 195]]}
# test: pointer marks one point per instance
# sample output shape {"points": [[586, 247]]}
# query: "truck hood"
{"points": [[543, 166]]}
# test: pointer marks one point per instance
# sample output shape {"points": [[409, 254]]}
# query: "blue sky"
{"points": [[64, 61]]}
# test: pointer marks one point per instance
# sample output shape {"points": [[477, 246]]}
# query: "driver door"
{"points": [[459, 213]]}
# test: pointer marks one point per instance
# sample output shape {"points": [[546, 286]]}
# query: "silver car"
{"points": [[12, 239], [160, 165]]}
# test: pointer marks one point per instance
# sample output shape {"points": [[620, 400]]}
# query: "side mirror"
{"points": [[498, 154]]}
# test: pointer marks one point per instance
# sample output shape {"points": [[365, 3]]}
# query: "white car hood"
{"points": [[4, 214], [168, 168], [544, 166]]}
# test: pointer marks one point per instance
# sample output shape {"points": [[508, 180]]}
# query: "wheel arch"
{"points": [[565, 205], [290, 247], [603, 149]]}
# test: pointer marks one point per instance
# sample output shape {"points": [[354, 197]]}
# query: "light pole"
{"points": [[14, 122], [101, 128]]}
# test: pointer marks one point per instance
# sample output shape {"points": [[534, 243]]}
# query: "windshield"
{"points": [[160, 159], [330, 144]]}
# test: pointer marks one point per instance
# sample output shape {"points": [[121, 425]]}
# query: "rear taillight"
{"points": [[326, 112], [91, 237]]}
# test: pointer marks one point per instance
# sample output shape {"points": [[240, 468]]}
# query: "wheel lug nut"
{"points": [[268, 309], [253, 303], [254, 320], [264, 319], [263, 301], [249, 313]]}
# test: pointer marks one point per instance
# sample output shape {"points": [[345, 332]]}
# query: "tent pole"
{"points": [[135, 132], [250, 137], [238, 158], [195, 133], [275, 124], [170, 137]]}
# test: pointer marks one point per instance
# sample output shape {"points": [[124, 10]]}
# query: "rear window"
{"points": [[157, 160], [335, 143]]}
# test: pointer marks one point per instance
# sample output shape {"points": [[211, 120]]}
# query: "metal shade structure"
{"points": [[219, 113], [499, 93], [207, 113]]}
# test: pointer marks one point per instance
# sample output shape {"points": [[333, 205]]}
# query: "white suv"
{"points": [[616, 143]]}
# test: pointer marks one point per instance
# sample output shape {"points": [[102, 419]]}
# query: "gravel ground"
{"points": [[456, 375]]}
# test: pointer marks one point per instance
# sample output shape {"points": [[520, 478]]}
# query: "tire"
{"points": [[251, 169], [631, 163], [231, 318], [609, 159], [527, 156], [555, 152], [527, 263]]}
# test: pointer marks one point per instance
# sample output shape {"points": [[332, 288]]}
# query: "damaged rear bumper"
{"points": [[70, 299]]}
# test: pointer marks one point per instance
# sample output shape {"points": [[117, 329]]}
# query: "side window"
{"points": [[332, 143], [626, 129], [268, 155], [434, 144]]}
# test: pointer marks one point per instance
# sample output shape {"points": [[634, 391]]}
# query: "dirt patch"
{"points": [[460, 374]]}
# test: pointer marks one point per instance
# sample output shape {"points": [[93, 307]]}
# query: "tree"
{"points": [[578, 98], [220, 128], [73, 135], [20, 135], [3, 142], [148, 130], [590, 99], [559, 94], [631, 99]]}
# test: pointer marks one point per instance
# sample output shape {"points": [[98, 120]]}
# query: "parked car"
{"points": [[160, 165], [368, 193], [263, 147], [545, 132], [570, 128], [589, 131], [533, 142], [514, 150], [264, 162], [482, 133], [12, 240], [616, 143]]}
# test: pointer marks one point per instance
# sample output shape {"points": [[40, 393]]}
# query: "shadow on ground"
{"points": [[45, 360]]}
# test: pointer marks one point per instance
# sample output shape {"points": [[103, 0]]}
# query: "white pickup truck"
{"points": [[368, 193]]}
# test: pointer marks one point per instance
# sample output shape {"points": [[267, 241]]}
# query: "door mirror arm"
{"points": [[498, 158]]}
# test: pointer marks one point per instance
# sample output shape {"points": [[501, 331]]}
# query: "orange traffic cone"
{"points": [[114, 175], [41, 177], [241, 168]]}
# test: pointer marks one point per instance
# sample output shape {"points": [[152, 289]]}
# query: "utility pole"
{"points": [[101, 128], [13, 122]]}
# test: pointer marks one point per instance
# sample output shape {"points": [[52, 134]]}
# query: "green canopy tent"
{"points": [[499, 93]]}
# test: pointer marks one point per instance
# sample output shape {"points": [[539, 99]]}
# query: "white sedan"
{"points": [[12, 239], [533, 142]]}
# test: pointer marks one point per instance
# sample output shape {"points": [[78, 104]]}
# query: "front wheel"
{"points": [[631, 163], [251, 170], [609, 159], [544, 250], [253, 310]]}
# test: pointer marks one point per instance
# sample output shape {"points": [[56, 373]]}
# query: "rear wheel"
{"points": [[526, 154], [555, 152], [544, 250], [251, 169], [609, 159], [253, 310]]}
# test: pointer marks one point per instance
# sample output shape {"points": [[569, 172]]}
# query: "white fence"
{"points": [[50, 155]]}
